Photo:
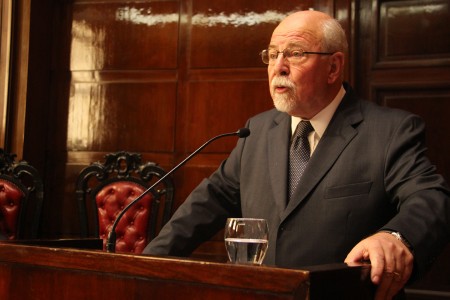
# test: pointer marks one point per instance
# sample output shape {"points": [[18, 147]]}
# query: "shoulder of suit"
{"points": [[374, 108]]}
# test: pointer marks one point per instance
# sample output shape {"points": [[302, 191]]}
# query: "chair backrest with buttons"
{"points": [[104, 189], [21, 198]]}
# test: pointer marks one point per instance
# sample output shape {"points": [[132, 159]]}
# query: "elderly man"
{"points": [[360, 189]]}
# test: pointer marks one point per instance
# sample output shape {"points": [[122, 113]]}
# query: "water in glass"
{"points": [[246, 240]]}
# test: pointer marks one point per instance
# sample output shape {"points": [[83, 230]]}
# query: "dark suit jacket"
{"points": [[369, 172]]}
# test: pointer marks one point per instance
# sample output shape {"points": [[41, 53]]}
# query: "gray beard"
{"points": [[284, 102]]}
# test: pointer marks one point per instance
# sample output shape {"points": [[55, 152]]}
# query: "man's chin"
{"points": [[280, 109], [282, 106]]}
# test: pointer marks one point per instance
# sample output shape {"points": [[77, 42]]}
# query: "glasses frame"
{"points": [[286, 54]]}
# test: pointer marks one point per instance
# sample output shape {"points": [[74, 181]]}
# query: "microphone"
{"points": [[111, 240]]}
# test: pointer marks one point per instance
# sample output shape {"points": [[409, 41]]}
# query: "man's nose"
{"points": [[281, 65]]}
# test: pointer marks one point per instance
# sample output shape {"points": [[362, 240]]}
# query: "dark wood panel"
{"points": [[124, 35], [414, 28], [121, 76], [219, 101], [122, 116], [85, 157], [229, 74], [414, 32]]}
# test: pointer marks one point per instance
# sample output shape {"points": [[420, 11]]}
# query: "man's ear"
{"points": [[336, 70]]}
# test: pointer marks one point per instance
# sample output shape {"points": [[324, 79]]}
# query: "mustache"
{"points": [[282, 81]]}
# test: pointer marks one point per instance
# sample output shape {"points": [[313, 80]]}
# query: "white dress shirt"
{"points": [[320, 121]]}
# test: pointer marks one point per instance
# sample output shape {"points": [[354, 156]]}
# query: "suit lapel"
{"points": [[338, 134], [278, 144]]}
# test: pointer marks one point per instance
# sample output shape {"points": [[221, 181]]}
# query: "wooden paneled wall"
{"points": [[161, 77]]}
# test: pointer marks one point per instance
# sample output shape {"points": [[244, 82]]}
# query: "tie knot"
{"points": [[303, 129]]}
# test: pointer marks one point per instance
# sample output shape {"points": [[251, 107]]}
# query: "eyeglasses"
{"points": [[269, 56]]}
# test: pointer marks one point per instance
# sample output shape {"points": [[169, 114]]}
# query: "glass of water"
{"points": [[246, 240]]}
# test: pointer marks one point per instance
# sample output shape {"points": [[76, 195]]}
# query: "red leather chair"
{"points": [[104, 189], [21, 197]]}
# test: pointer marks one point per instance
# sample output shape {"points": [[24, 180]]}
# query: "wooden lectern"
{"points": [[37, 272]]}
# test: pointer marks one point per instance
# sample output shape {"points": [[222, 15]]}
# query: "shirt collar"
{"points": [[321, 120]]}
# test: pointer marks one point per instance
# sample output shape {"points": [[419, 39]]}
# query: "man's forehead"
{"points": [[294, 36]]}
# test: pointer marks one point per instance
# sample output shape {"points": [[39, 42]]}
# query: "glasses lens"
{"points": [[265, 56], [295, 54]]}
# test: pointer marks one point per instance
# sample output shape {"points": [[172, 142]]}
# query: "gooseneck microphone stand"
{"points": [[111, 241]]}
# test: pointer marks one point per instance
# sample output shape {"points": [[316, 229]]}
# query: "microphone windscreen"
{"points": [[243, 132]]}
